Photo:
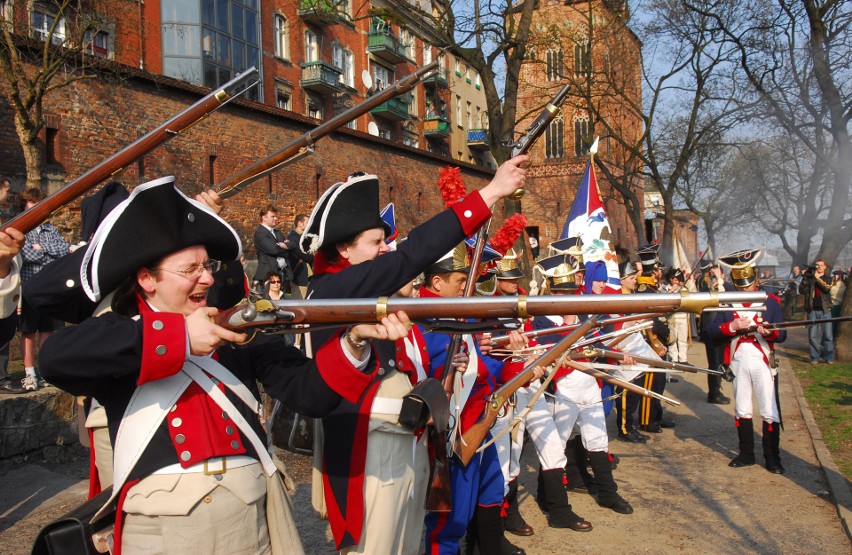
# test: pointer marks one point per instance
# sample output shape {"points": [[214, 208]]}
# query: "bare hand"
{"points": [[11, 243], [212, 199], [283, 246], [538, 372], [485, 343], [392, 327], [628, 361], [763, 331], [205, 336], [509, 178], [460, 361], [37, 247], [741, 323], [516, 340]]}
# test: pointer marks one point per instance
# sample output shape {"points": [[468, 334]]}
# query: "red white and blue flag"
{"points": [[588, 220]]}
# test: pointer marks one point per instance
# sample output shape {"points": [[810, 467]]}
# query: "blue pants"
{"points": [[826, 342], [480, 483]]}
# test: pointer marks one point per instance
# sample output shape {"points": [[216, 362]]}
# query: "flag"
{"points": [[680, 260], [588, 220]]}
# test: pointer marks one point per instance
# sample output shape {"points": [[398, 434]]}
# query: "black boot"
{"points": [[553, 501], [513, 522], [576, 469], [489, 533], [607, 490], [771, 439], [745, 431]]}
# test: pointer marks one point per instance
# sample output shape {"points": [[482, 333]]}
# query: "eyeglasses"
{"points": [[274, 281], [195, 271]]}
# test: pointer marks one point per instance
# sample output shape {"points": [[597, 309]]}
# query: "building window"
{"points": [[582, 129], [458, 67], [283, 95], [282, 37], [555, 65], [231, 36], [582, 61], [427, 54], [382, 76], [311, 47], [98, 43], [407, 40], [459, 119], [6, 10], [410, 137], [348, 75], [314, 107], [44, 23], [411, 97], [469, 118], [554, 138], [477, 81], [385, 133]]}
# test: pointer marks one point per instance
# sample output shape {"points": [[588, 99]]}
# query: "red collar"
{"points": [[425, 293], [322, 265]]}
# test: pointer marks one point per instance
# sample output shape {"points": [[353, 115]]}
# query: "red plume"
{"points": [[508, 233], [451, 185]]}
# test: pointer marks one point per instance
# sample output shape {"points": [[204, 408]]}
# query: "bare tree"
{"points": [[43, 49]]}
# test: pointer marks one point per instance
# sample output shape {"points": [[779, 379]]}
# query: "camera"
{"points": [[809, 271]]}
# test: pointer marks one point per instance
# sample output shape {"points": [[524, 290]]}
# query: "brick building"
{"points": [[584, 44]]}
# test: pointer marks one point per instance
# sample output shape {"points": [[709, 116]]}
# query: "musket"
{"points": [[503, 340], [354, 311], [304, 145], [624, 384], [537, 128], [593, 353], [793, 324], [470, 440], [184, 120]]}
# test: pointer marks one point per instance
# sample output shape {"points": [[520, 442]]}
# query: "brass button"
{"points": [[157, 325], [185, 456], [180, 439], [229, 281], [229, 430], [160, 350], [176, 422], [208, 498], [235, 444]]}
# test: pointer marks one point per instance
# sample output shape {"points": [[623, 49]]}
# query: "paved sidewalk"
{"points": [[687, 499]]}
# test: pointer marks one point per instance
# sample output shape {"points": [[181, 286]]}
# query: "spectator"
{"points": [[838, 289], [9, 324], [817, 293], [271, 246], [300, 263], [274, 292], [44, 245]]}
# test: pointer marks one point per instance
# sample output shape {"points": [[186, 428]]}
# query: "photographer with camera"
{"points": [[817, 293]]}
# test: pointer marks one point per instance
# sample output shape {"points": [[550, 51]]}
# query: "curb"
{"points": [[841, 493]]}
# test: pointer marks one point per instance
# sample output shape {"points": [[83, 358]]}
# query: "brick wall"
{"points": [[96, 118]]}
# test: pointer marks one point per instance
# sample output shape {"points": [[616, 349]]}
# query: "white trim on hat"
{"points": [[92, 257]]}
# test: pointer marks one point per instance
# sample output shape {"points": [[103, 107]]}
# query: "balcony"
{"points": [[321, 12], [394, 109], [386, 47], [320, 77], [436, 127], [477, 139], [436, 79]]}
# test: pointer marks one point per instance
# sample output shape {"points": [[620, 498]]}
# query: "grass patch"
{"points": [[828, 390]]}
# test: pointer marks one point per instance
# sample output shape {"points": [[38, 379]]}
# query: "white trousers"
{"points": [[679, 338], [578, 400], [752, 376]]}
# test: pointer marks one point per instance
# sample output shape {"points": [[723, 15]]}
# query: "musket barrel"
{"points": [[30, 218], [349, 311]]}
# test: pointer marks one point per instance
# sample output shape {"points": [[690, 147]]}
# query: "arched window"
{"points": [[281, 36]]}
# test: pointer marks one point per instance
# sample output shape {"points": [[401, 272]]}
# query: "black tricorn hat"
{"points": [[344, 210], [742, 264], [94, 208], [154, 221]]}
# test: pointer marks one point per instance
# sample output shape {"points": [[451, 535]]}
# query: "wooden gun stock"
{"points": [[32, 217], [439, 494], [467, 445]]}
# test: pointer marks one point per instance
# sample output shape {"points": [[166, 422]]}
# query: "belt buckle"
{"points": [[208, 472]]}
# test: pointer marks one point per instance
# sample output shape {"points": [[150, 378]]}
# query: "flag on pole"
{"points": [[589, 221], [680, 260]]}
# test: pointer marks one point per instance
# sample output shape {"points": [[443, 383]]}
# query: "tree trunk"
{"points": [[843, 338], [33, 154]]}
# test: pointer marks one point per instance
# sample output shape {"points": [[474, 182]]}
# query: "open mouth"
{"points": [[198, 298]]}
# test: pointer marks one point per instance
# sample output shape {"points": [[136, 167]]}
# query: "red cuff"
{"points": [[510, 370], [773, 336], [471, 212], [339, 374], [726, 329], [163, 345]]}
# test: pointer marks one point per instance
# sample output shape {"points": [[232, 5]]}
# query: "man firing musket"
{"points": [[751, 357]]}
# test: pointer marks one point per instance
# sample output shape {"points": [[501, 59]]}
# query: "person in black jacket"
{"points": [[271, 247], [817, 293], [190, 458], [299, 261]]}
